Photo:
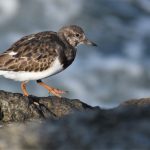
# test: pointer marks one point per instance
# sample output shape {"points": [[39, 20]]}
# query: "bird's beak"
{"points": [[88, 42]]}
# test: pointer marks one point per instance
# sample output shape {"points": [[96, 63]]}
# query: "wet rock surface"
{"points": [[71, 124], [17, 108]]}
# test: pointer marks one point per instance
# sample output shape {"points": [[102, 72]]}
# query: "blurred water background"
{"points": [[115, 71]]}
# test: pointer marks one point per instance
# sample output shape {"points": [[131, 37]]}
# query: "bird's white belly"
{"points": [[55, 68]]}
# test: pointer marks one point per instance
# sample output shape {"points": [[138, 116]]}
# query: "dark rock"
{"points": [[16, 107], [77, 126], [137, 102], [120, 128]]}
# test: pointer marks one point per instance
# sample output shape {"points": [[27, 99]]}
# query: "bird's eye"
{"points": [[77, 35]]}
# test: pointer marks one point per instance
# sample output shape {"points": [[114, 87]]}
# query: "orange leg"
{"points": [[23, 87], [51, 90]]}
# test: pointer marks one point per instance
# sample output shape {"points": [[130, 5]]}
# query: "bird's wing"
{"points": [[34, 52]]}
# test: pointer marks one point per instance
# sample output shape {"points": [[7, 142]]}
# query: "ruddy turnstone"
{"points": [[40, 55]]}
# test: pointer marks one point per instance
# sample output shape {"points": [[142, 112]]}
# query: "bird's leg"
{"points": [[52, 90], [25, 93], [23, 87]]}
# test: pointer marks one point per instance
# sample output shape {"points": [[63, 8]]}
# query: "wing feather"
{"points": [[33, 52]]}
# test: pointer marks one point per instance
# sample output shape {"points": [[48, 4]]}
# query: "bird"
{"points": [[43, 54]]}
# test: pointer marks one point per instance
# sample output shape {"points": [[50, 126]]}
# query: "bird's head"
{"points": [[75, 35]]}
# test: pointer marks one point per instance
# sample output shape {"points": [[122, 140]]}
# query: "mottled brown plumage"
{"points": [[35, 52], [39, 53]]}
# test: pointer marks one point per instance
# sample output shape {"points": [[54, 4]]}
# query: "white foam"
{"points": [[8, 9]]}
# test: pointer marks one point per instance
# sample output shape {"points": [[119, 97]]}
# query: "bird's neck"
{"points": [[62, 37], [70, 51]]}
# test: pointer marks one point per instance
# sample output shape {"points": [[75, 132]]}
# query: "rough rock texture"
{"points": [[121, 128], [16, 107]]}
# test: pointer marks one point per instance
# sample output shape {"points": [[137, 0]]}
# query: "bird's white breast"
{"points": [[55, 68]]}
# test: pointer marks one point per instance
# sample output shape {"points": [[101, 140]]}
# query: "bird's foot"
{"points": [[56, 92], [53, 91]]}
